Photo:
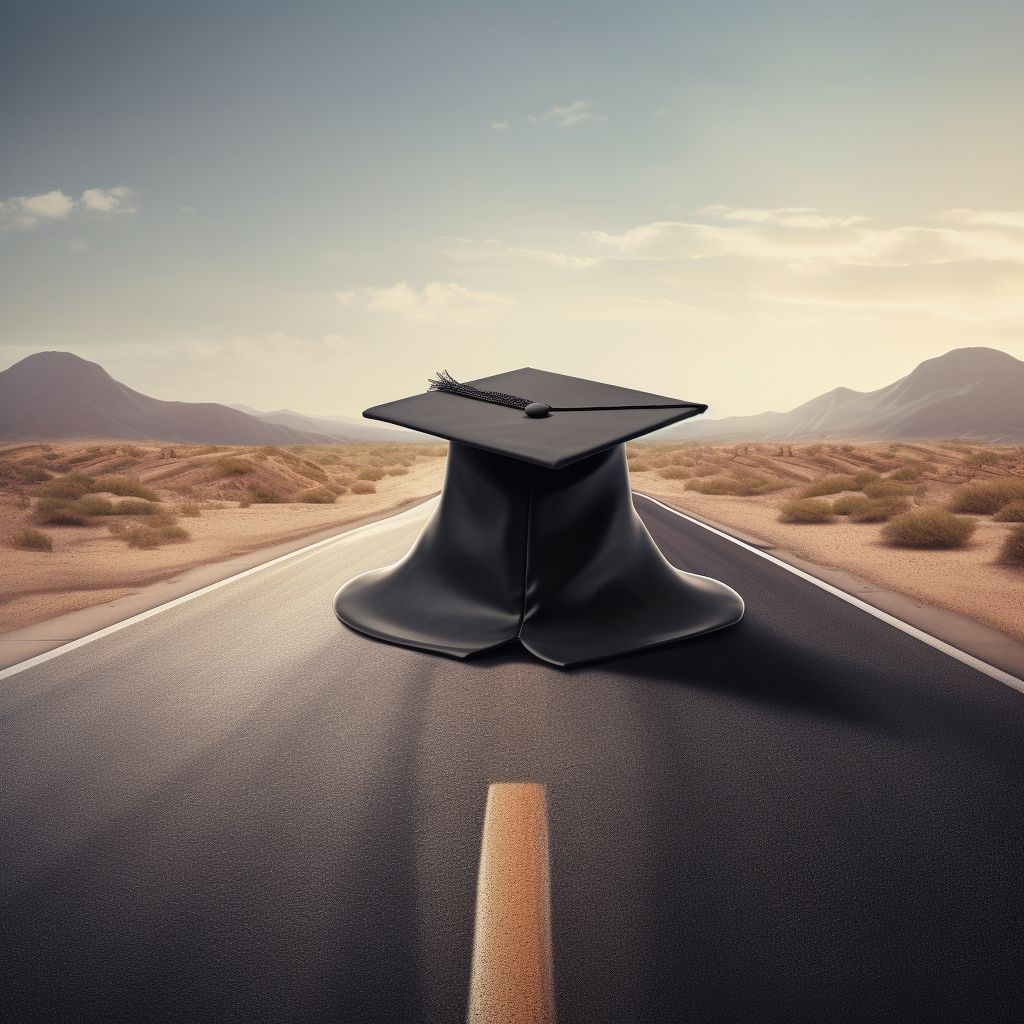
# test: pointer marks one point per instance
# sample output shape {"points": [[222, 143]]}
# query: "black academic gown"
{"points": [[557, 559]]}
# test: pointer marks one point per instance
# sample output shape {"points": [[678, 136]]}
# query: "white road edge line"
{"points": [[939, 645], [343, 538]]}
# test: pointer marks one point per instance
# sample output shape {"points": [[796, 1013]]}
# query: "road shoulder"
{"points": [[958, 630], [41, 637]]}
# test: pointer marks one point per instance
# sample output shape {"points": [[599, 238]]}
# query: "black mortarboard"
{"points": [[535, 537], [498, 414]]}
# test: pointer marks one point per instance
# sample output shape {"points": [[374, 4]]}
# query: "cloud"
{"points": [[788, 216], [30, 211], [560, 259], [450, 303], [500, 126], [565, 117], [969, 271], [1006, 218]]}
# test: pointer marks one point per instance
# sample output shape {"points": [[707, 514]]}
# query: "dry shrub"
{"points": [[743, 486], [317, 496], [173, 533], [982, 459], [134, 507], [73, 486], [880, 510], [637, 466], [32, 474], [142, 537], [806, 510], [851, 505], [190, 509], [913, 470], [125, 488], [264, 496], [1012, 551], [31, 540], [231, 466], [988, 496], [830, 485], [673, 473], [94, 505], [364, 487], [929, 528], [370, 474], [892, 489], [59, 513], [396, 470], [1012, 513]]}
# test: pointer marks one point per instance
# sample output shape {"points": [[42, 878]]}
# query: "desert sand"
{"points": [[89, 565]]}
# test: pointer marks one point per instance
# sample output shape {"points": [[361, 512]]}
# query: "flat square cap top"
{"points": [[572, 430]]}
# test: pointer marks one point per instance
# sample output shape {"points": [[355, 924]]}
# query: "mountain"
{"points": [[975, 393], [341, 428], [51, 396]]}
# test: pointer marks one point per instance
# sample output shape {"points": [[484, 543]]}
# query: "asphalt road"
{"points": [[238, 810]]}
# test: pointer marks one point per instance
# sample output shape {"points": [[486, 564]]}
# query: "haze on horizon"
{"points": [[318, 205]]}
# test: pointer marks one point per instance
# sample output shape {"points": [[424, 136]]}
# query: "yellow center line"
{"points": [[512, 980]]}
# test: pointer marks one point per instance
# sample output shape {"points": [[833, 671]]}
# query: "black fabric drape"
{"points": [[557, 559]]}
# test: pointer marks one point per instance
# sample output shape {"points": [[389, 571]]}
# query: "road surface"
{"points": [[238, 810]]}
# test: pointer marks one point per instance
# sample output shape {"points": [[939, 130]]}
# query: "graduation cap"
{"points": [[535, 538]]}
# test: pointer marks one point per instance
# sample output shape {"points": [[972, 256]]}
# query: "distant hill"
{"points": [[53, 396], [973, 393], [341, 428]]}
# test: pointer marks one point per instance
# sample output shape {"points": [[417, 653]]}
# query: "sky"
{"points": [[319, 205]]}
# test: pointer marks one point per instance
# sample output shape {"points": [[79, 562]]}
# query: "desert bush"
{"points": [[863, 479], [142, 537], [1012, 513], [637, 466], [31, 540], [912, 471], [190, 509], [125, 488], [134, 507], [892, 489], [851, 504], [370, 474], [982, 459], [59, 513], [180, 488], [397, 470], [33, 474], [743, 486], [987, 497], [94, 505], [880, 510], [673, 473], [806, 510], [72, 486], [929, 528], [1012, 551], [829, 485], [264, 496], [160, 518], [317, 496], [173, 533], [364, 487], [229, 465]]}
